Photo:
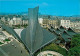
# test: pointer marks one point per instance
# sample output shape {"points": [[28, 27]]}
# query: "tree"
{"points": [[75, 46], [75, 51], [54, 47], [75, 41]]}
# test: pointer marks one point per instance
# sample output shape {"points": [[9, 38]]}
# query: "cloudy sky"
{"points": [[50, 7]]}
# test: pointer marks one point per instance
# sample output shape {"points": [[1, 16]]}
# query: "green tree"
{"points": [[75, 51], [75, 40], [54, 47], [1, 43], [75, 46]]}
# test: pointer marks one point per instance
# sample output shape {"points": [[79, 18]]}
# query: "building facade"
{"points": [[65, 23], [47, 23]]}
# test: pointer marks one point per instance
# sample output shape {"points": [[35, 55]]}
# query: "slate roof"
{"points": [[71, 32], [58, 31], [65, 36], [34, 36], [62, 28]]}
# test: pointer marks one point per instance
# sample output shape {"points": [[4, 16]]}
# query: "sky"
{"points": [[48, 7]]}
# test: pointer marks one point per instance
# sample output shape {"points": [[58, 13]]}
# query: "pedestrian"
{"points": [[15, 46], [12, 44], [21, 51]]}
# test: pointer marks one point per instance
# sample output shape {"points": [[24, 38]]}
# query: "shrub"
{"points": [[1, 43], [6, 40]]}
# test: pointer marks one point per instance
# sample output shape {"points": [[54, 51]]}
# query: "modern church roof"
{"points": [[34, 36]]}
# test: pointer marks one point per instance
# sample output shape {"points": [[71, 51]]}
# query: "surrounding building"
{"points": [[17, 21], [49, 22], [3, 19], [45, 23], [24, 22], [64, 36], [75, 25], [54, 23], [10, 22], [40, 20], [65, 23]]}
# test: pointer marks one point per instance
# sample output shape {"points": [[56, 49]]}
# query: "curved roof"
{"points": [[34, 36]]}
